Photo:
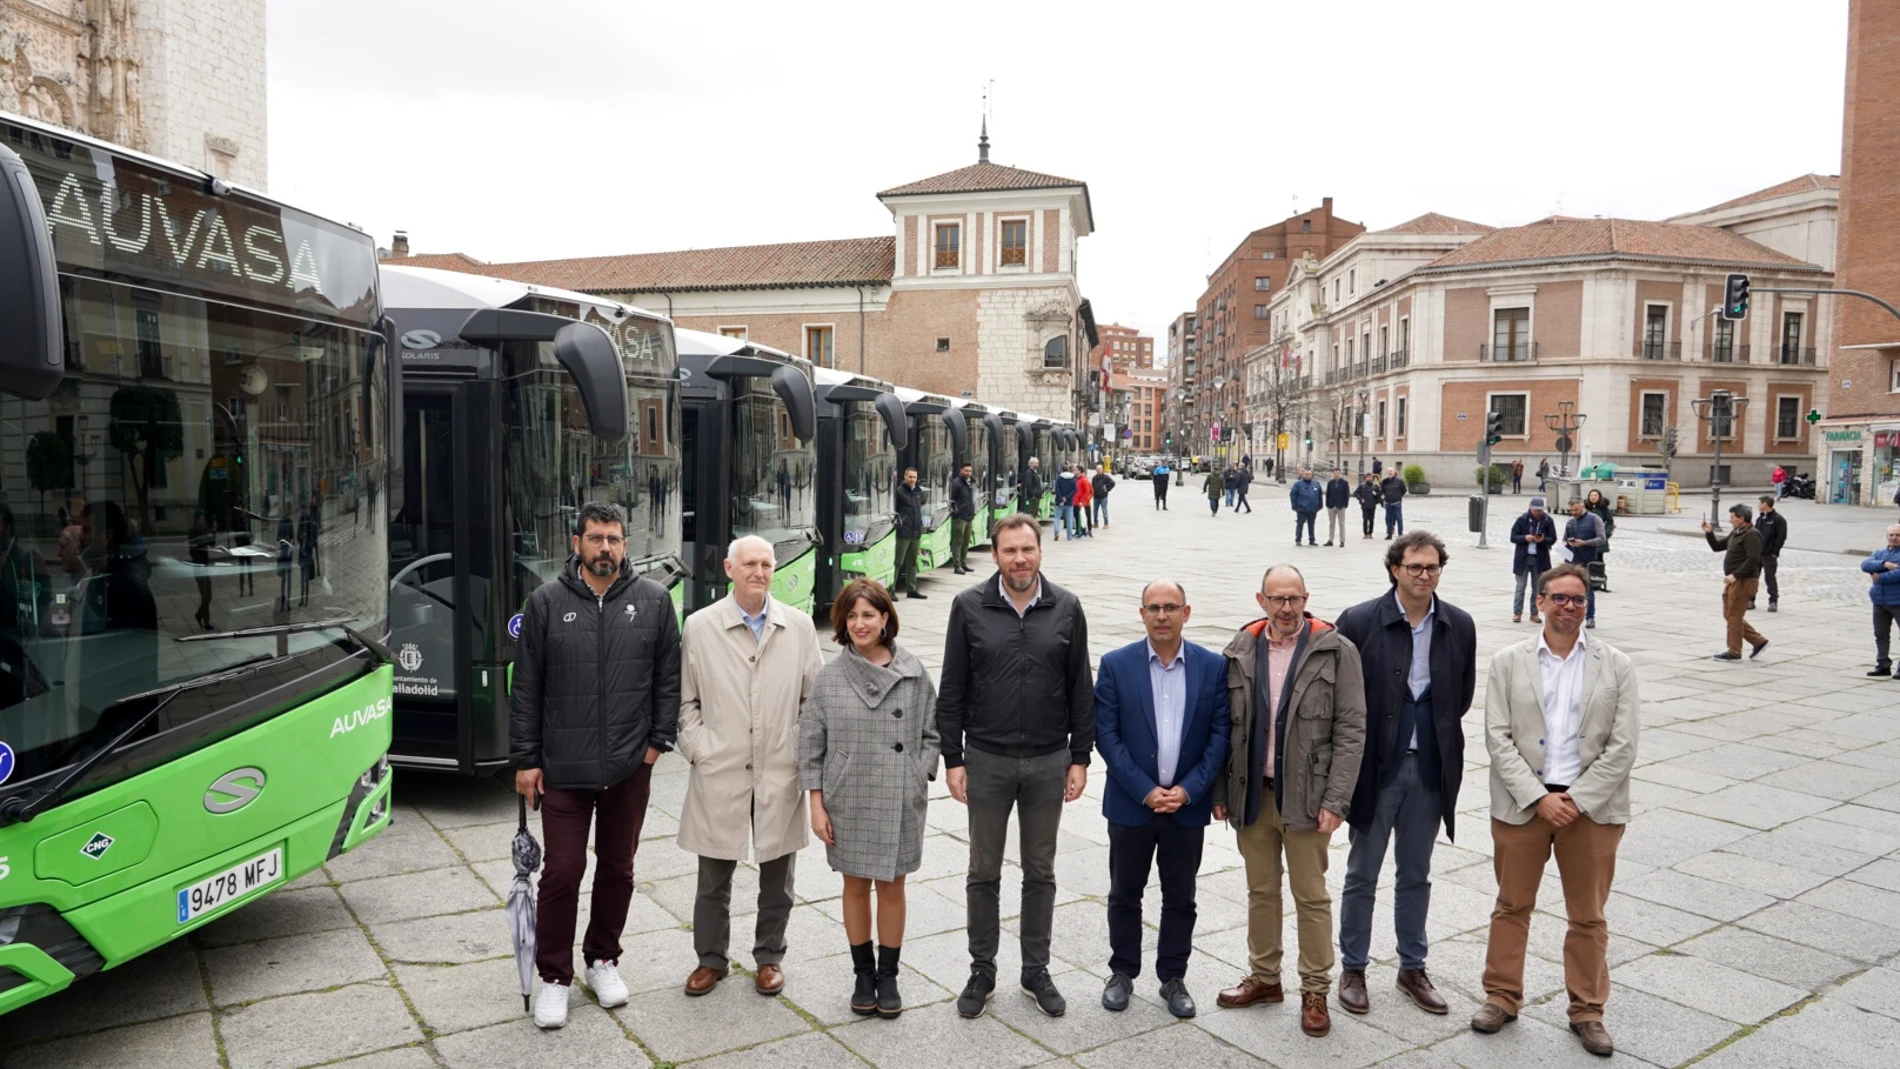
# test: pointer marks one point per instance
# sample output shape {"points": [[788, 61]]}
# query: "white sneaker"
{"points": [[550, 1006], [609, 989]]}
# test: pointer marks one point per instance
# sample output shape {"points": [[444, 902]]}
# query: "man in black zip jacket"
{"points": [[1774, 535], [596, 701], [962, 511], [910, 532], [1016, 713]]}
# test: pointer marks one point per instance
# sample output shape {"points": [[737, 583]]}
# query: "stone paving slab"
{"points": [[1755, 921]]}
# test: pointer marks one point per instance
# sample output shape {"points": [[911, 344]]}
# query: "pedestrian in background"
{"points": [[1230, 482], [1084, 498], [1103, 483], [1420, 656], [1543, 473], [962, 511], [1161, 724], [1368, 495], [1567, 793], [750, 663], [1774, 534], [1531, 538], [1296, 690], [1883, 589], [1338, 496], [1599, 505], [1240, 489], [1517, 475], [867, 751], [1584, 540], [1393, 490], [596, 700], [1377, 468], [1780, 481], [1306, 497], [1741, 571], [1030, 500], [1065, 503], [1213, 488], [910, 532], [1160, 476], [1016, 711]]}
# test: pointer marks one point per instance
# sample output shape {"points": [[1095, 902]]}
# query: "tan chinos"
{"points": [[1271, 850]]}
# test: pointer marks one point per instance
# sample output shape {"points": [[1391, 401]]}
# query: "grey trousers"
{"points": [[1336, 525], [712, 911], [1408, 815], [1033, 786]]}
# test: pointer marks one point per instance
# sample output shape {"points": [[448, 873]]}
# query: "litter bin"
{"points": [[1475, 504], [1642, 491]]}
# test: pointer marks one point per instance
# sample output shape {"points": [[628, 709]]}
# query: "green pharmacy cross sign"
{"points": [[1814, 416]]}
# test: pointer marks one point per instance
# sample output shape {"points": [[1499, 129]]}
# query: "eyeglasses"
{"points": [[1561, 600], [1169, 609], [1285, 601], [604, 540], [1422, 569]]}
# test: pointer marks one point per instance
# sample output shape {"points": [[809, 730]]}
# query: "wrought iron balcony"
{"points": [[1378, 365], [1400, 358], [1796, 354], [1657, 349], [1519, 353]]}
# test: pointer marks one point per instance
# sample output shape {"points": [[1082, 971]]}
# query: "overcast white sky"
{"points": [[515, 131]]}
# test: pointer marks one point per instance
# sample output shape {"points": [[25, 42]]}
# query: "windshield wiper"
{"points": [[275, 629], [24, 807]]}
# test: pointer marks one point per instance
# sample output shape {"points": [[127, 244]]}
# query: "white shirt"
{"points": [[1563, 711], [1003, 589]]}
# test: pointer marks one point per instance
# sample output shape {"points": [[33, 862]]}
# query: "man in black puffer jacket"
{"points": [[596, 701]]}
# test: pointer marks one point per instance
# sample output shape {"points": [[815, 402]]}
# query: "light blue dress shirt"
{"points": [[756, 623], [1419, 677], [1168, 685]]}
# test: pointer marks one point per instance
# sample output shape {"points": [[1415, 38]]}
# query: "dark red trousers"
{"points": [[616, 814]]}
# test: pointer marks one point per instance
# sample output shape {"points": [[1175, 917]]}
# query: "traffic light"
{"points": [[1309, 441], [1493, 428], [1669, 442], [1735, 298]]}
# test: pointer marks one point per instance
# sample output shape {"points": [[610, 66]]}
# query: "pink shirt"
{"points": [[1279, 659]]}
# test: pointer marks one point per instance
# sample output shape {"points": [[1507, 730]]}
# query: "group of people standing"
{"points": [[1081, 498], [1297, 728], [1308, 495]]}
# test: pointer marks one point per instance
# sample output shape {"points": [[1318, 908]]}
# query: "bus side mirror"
{"points": [[589, 356], [895, 419], [959, 428], [801, 402], [32, 347]]}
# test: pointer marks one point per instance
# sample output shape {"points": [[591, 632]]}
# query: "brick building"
{"points": [[1861, 434], [1143, 416], [1231, 315], [973, 295], [1401, 342], [1126, 347], [180, 79]]}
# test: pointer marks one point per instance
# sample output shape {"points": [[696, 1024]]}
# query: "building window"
{"points": [[1349, 352], [1790, 338], [1654, 407], [1787, 418], [1306, 226], [1405, 335], [1385, 341], [1365, 346], [1335, 291], [1055, 352], [1401, 418], [1511, 334], [1655, 330], [943, 345], [1260, 311], [949, 245], [151, 348], [1724, 349], [733, 332], [1352, 281], [1268, 255], [1015, 242], [1512, 410], [1262, 284], [818, 347]]}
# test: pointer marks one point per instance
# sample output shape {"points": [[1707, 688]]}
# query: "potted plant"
{"points": [[1499, 475], [1415, 480]]}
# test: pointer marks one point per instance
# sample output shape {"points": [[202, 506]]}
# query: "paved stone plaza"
{"points": [[1755, 921]]}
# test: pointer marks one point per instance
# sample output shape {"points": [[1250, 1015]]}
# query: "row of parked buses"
{"points": [[269, 511], [521, 403]]}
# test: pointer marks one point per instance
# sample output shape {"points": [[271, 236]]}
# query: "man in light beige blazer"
{"points": [[1561, 722], [749, 663]]}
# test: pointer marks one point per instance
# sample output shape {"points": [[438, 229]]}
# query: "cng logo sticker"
{"points": [[97, 846], [234, 790], [410, 657]]}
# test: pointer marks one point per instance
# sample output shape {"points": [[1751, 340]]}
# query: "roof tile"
{"points": [[1803, 184], [981, 178], [845, 261], [1559, 238], [1435, 223]]}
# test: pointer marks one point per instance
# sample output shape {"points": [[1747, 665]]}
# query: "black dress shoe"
{"points": [[1727, 656], [1180, 1003], [1115, 993], [916, 596], [1879, 670]]}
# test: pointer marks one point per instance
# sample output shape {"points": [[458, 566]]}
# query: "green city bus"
{"points": [[938, 446], [985, 432], [861, 427], [748, 424], [195, 387], [520, 403]]}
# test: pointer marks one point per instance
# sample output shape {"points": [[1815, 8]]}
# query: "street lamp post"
{"points": [[1719, 410], [1565, 422], [1365, 401]]}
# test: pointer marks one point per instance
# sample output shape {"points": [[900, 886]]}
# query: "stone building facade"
{"points": [[180, 79]]}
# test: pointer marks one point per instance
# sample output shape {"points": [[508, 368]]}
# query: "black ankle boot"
{"points": [[864, 996], [889, 1003]]}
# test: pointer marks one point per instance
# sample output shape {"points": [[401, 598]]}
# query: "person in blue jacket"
{"points": [[1161, 724], [1883, 576], [1306, 496], [1531, 538]]}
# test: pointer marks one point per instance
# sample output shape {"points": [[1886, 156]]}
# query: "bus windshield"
{"points": [[979, 457], [203, 469], [870, 478], [773, 481], [936, 459]]}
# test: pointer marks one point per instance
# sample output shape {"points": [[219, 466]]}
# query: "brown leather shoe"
{"points": [[1491, 1017], [1314, 1020], [703, 979], [1595, 1037], [769, 980], [1415, 983], [1250, 990], [1352, 991]]}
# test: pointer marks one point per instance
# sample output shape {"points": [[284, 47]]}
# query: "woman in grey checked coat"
{"points": [[867, 749]]}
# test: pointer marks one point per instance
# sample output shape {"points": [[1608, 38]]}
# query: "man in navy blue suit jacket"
{"points": [[1161, 725]]}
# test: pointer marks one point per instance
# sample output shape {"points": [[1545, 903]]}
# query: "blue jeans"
{"points": [[1305, 520], [1528, 575], [1065, 520], [1230, 497], [1409, 812], [1100, 505], [1394, 517]]}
